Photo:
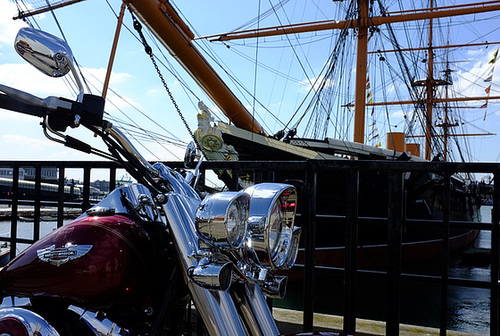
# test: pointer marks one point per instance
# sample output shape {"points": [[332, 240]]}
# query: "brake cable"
{"points": [[149, 51]]}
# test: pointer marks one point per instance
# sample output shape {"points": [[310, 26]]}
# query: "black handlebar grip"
{"points": [[9, 103]]}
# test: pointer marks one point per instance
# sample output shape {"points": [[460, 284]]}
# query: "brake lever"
{"points": [[50, 102]]}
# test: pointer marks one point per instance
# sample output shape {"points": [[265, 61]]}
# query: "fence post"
{"points": [[37, 203], [445, 253], [86, 189], [14, 211], [394, 240], [310, 242], [495, 256], [112, 179], [351, 245], [60, 196]]}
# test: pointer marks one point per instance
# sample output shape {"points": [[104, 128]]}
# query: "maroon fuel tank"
{"points": [[93, 260]]}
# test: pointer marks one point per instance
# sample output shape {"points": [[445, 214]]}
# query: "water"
{"points": [[25, 230], [468, 308]]}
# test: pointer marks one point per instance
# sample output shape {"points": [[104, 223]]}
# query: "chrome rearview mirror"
{"points": [[48, 53]]}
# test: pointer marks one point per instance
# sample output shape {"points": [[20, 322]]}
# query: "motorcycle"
{"points": [[152, 253]]}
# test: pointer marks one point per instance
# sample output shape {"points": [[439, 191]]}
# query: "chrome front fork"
{"points": [[241, 310]]}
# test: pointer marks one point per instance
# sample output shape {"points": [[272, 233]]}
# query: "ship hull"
{"points": [[375, 256], [423, 201]]}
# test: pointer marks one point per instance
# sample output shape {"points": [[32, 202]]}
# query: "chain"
{"points": [[149, 51]]}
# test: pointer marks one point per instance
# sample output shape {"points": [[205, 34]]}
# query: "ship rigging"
{"points": [[382, 42]]}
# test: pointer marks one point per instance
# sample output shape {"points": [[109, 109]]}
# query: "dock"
{"points": [[289, 321]]}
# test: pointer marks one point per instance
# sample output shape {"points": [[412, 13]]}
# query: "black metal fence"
{"points": [[343, 194]]}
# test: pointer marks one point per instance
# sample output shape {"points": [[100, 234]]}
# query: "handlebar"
{"points": [[127, 145], [12, 104]]}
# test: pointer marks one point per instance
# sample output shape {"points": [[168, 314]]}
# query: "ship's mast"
{"points": [[430, 89], [361, 61]]}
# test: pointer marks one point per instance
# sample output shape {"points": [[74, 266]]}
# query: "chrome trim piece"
{"points": [[133, 199], [255, 310], [236, 311], [294, 249], [34, 323], [178, 184], [212, 274], [48, 53], [44, 51], [100, 211], [275, 287]]}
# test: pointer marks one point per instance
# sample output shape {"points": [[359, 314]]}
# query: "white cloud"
{"points": [[25, 77], [153, 92], [471, 80], [8, 26], [98, 75], [115, 103], [8, 116], [316, 82], [25, 141], [398, 114]]}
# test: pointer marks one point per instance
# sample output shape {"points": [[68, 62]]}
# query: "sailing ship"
{"points": [[338, 97]]}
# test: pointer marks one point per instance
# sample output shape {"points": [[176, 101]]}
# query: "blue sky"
{"points": [[89, 27]]}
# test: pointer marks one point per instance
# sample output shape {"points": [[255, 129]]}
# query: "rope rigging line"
{"points": [[133, 123], [255, 70], [216, 59], [414, 96], [260, 17], [240, 86], [168, 68], [321, 89], [149, 51]]}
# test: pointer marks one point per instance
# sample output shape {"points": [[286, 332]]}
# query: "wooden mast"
{"points": [[113, 51], [361, 61], [429, 88]]}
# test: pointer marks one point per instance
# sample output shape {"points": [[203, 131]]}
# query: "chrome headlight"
{"points": [[271, 224], [222, 218]]}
